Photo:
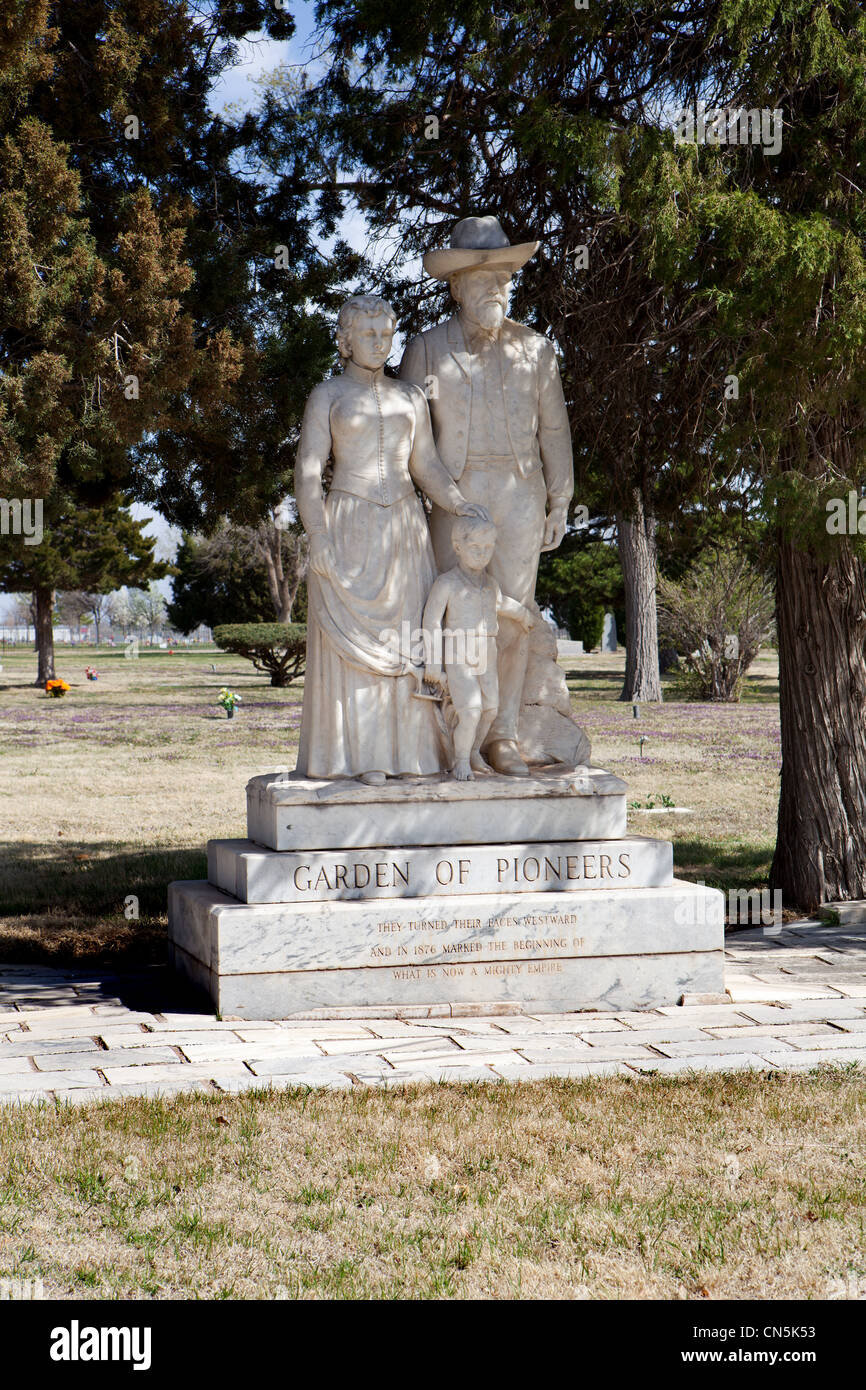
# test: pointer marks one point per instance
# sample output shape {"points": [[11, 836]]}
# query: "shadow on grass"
{"points": [[723, 866], [67, 904], [84, 878]]}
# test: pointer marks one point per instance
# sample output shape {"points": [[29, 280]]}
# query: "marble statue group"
{"points": [[444, 839], [426, 651]]}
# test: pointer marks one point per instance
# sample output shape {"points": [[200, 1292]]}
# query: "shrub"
{"points": [[721, 597], [579, 583], [588, 626], [278, 648]]}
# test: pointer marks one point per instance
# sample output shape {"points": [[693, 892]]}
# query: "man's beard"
{"points": [[489, 319]]}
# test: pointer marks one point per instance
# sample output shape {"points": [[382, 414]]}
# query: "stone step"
{"points": [[256, 875], [611, 948], [847, 914], [298, 813]]}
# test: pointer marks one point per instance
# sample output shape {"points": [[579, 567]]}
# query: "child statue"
{"points": [[469, 601]]}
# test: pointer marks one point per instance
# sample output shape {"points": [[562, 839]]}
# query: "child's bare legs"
{"points": [[465, 691], [476, 762], [488, 684]]}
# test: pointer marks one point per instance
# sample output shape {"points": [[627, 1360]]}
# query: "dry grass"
{"points": [[114, 790], [716, 1186], [728, 1187]]}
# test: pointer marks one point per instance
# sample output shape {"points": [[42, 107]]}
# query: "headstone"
{"points": [[565, 647], [608, 634]]}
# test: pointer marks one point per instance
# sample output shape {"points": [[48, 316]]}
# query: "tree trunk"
{"points": [[821, 622], [636, 540], [44, 635], [276, 577], [283, 583]]}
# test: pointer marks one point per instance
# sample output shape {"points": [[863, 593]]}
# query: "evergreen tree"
{"points": [[141, 348], [97, 549], [580, 582], [217, 584], [768, 238], [714, 330]]}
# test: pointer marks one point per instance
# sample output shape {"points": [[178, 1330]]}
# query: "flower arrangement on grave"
{"points": [[228, 699], [56, 687], [91, 674]]}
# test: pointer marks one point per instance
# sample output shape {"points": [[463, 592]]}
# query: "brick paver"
{"points": [[797, 1000]]}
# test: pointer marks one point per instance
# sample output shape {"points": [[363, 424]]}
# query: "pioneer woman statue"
{"points": [[371, 560]]}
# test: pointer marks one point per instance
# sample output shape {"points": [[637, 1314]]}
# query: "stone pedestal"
{"points": [[497, 891], [299, 813]]}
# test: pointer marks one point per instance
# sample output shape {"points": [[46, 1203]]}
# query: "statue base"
{"points": [[427, 892]]}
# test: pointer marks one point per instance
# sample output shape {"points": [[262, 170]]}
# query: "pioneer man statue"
{"points": [[501, 429]]}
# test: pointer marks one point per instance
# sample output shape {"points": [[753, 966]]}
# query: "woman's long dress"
{"points": [[359, 714]]}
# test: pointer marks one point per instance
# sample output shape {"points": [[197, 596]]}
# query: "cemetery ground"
{"points": [[729, 1184], [112, 791]]}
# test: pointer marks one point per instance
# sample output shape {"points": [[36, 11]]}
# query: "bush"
{"points": [[278, 648], [717, 618], [579, 583], [588, 626]]}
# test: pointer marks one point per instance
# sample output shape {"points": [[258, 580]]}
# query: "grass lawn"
{"points": [[112, 791], [719, 1186], [738, 1186]]}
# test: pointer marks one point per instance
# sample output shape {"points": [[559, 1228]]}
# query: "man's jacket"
{"points": [[535, 415]]}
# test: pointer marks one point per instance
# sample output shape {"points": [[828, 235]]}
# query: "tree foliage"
{"points": [[94, 549], [717, 618], [580, 582], [278, 648], [149, 345], [147, 340], [215, 584]]}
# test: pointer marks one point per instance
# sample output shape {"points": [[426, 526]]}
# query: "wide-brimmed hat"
{"points": [[477, 242]]}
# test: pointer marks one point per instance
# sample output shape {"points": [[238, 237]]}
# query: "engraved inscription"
{"points": [[423, 872], [562, 868], [385, 874], [531, 935]]}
